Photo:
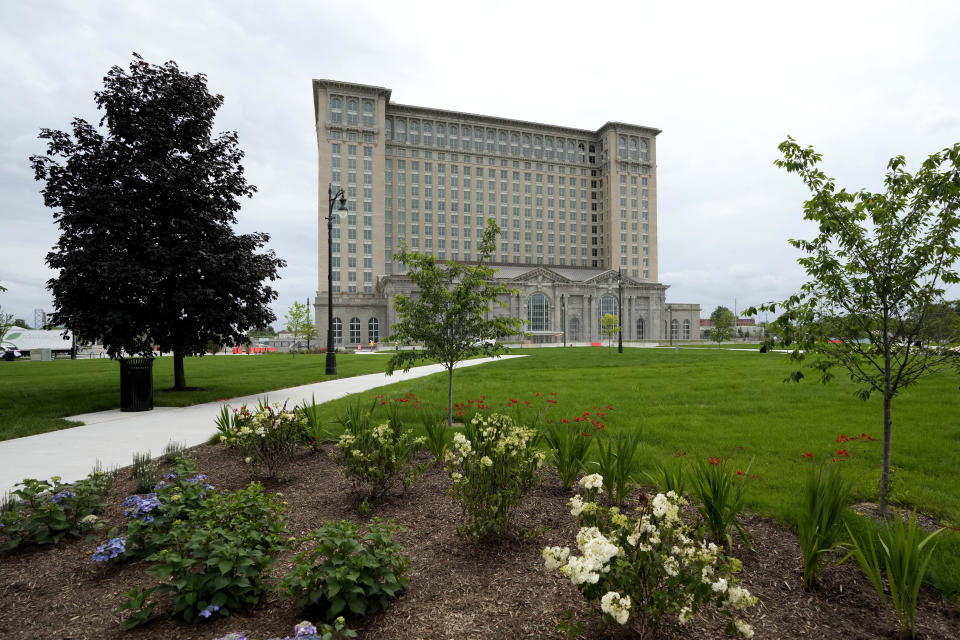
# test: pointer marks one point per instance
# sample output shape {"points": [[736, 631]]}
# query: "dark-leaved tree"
{"points": [[147, 254]]}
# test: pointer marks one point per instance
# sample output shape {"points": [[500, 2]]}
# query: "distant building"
{"points": [[745, 328], [577, 209]]}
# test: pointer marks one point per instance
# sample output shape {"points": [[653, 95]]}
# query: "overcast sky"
{"points": [[726, 82]]}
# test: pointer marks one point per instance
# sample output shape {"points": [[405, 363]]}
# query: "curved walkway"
{"points": [[112, 437]]}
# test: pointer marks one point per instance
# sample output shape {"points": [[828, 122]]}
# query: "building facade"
{"points": [[576, 209]]}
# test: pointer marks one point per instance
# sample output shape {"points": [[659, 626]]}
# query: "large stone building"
{"points": [[577, 210]]}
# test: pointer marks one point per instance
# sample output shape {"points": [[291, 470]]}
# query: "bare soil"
{"points": [[458, 589]]}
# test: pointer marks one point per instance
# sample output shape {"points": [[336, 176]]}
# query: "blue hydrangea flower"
{"points": [[139, 507], [169, 476], [66, 493], [110, 550], [303, 629], [206, 613]]}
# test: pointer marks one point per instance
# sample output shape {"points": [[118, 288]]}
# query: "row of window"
{"points": [[480, 139], [373, 330], [353, 107]]}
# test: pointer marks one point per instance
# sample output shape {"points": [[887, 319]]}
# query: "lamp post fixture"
{"points": [[620, 311], [333, 199], [563, 318]]}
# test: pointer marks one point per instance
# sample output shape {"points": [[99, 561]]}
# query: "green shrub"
{"points": [[615, 464], [492, 465], [718, 493], [218, 559], [145, 472], [344, 572], [670, 477], [47, 511], [901, 553], [649, 565], [374, 459], [435, 427], [314, 431], [825, 497], [174, 451], [568, 451], [266, 439]]}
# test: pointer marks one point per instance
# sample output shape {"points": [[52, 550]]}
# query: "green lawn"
{"points": [[709, 402], [37, 395]]}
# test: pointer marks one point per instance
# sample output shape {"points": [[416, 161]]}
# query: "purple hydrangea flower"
{"points": [[139, 507], [110, 550], [66, 493], [206, 613], [169, 476], [305, 628]]}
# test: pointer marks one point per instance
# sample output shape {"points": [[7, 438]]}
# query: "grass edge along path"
{"points": [[37, 396]]}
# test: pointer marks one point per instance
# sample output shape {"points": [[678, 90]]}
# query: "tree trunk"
{"points": [[179, 380], [450, 396], [885, 469]]}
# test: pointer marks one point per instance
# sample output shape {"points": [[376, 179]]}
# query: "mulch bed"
{"points": [[457, 589]]}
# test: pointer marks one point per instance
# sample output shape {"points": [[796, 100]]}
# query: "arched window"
{"points": [[367, 113], [388, 127], [548, 145], [608, 304], [400, 131], [454, 136], [538, 312], [373, 329], [560, 150], [686, 329], [674, 329], [503, 143], [354, 330], [514, 144], [427, 133], [336, 110], [621, 147], [337, 330], [574, 329], [644, 150], [640, 327], [478, 139], [526, 145], [441, 135], [465, 138], [351, 111], [633, 148], [491, 140], [537, 146], [414, 132]]}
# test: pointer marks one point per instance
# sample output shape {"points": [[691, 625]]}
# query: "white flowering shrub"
{"points": [[492, 464], [375, 458], [267, 438], [643, 567]]}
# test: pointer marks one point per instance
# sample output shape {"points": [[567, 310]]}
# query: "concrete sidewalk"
{"points": [[112, 437]]}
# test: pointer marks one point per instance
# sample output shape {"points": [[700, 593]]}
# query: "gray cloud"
{"points": [[726, 83]]}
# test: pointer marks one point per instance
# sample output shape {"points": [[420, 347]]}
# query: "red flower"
{"points": [[842, 452], [739, 473], [549, 421], [680, 453], [538, 394], [609, 406], [513, 401], [714, 461], [808, 454], [383, 402], [565, 421], [603, 426], [834, 459], [483, 397], [554, 393], [585, 434], [577, 419]]}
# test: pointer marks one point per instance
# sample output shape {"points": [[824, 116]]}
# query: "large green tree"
{"points": [[877, 270], [723, 321], [147, 253], [449, 315]]}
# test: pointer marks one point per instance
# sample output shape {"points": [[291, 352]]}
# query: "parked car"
{"points": [[10, 353]]}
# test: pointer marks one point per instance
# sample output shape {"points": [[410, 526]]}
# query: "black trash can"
{"points": [[136, 384]]}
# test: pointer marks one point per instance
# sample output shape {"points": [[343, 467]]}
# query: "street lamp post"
{"points": [[332, 198], [620, 311], [563, 318]]}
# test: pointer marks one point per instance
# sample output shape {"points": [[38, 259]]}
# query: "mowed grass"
{"points": [[36, 396], [735, 404]]}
